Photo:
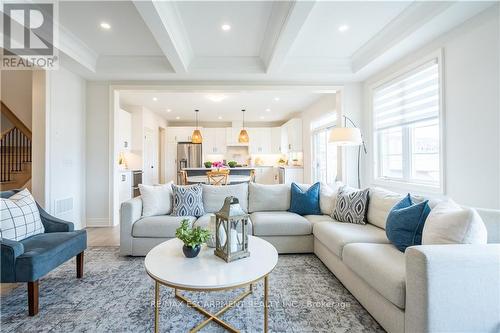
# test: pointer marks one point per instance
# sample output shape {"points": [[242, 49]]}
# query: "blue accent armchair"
{"points": [[31, 258]]}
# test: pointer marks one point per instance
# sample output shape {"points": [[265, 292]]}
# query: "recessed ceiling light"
{"points": [[276, 99], [105, 25], [177, 117], [216, 97], [225, 27], [169, 110], [268, 110], [219, 117], [155, 99], [343, 28]]}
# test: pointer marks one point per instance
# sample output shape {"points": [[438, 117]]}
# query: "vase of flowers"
{"points": [[218, 165], [192, 237]]}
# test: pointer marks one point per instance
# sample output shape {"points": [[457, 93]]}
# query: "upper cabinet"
{"points": [[124, 130], [260, 140], [214, 140], [179, 134], [291, 136]]}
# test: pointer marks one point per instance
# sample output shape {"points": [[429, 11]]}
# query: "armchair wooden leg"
{"points": [[33, 298], [79, 265]]}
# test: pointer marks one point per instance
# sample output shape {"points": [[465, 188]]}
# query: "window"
{"points": [[407, 127], [324, 157]]}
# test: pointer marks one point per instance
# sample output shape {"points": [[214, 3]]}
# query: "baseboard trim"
{"points": [[98, 222]]}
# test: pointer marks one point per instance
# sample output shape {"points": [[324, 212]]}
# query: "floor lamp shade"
{"points": [[346, 136]]}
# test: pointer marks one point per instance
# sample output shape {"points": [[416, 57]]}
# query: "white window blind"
{"points": [[408, 99]]}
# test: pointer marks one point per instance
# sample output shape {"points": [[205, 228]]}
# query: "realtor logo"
{"points": [[28, 36]]}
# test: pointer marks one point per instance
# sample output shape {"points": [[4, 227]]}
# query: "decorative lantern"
{"points": [[231, 230]]}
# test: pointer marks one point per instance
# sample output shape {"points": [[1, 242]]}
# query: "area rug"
{"points": [[116, 295]]}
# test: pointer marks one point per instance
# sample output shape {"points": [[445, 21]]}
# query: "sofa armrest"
{"points": [[130, 212], [53, 224], [10, 251], [453, 288]]}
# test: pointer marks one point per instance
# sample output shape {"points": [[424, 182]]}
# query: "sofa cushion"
{"points": [[382, 266], [188, 200], [158, 226], [327, 196], [204, 220], [351, 206], [44, 252], [305, 202], [318, 218], [19, 217], [213, 196], [380, 204], [448, 223], [156, 199], [265, 198], [405, 223], [336, 235], [279, 224]]}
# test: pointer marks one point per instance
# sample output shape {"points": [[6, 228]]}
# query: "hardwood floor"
{"points": [[106, 236]]}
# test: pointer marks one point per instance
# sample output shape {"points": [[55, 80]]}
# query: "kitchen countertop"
{"points": [[236, 168]]}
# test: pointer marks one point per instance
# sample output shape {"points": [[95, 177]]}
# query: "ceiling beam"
{"points": [[285, 23], [410, 20], [164, 22]]}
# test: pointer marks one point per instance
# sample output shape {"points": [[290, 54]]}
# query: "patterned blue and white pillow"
{"points": [[19, 217], [352, 206], [188, 200]]}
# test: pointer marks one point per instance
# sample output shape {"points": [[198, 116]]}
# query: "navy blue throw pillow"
{"points": [[305, 202], [405, 223]]}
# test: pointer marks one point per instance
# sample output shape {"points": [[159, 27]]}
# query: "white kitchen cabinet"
{"points": [[179, 134], [260, 140], [291, 136], [124, 186], [266, 175], [214, 141], [276, 140], [124, 130], [288, 175]]}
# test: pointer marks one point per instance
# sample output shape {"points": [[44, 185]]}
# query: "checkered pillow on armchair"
{"points": [[19, 217]]}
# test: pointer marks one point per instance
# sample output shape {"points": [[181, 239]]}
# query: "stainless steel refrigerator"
{"points": [[189, 155]]}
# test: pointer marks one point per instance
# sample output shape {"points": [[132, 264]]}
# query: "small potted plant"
{"points": [[232, 164], [193, 238], [207, 164]]}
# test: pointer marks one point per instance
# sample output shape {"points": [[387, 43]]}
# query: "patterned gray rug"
{"points": [[116, 295]]}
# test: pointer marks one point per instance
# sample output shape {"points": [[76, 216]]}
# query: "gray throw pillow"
{"points": [[188, 200], [351, 206]]}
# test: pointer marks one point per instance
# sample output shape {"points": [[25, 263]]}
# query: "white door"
{"points": [[150, 158]]}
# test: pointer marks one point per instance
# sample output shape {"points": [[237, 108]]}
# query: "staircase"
{"points": [[15, 153]]}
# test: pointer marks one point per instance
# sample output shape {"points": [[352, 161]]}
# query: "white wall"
{"points": [[350, 98], [471, 108], [319, 109], [66, 144], [98, 152], [16, 93]]}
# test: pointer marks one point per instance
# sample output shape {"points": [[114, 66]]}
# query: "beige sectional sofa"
{"points": [[429, 288]]}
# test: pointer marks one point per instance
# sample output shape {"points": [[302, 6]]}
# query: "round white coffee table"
{"points": [[167, 265]]}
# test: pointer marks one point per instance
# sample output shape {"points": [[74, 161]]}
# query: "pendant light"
{"points": [[196, 137], [243, 137]]}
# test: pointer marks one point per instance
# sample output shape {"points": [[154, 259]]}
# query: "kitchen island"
{"points": [[236, 175]]}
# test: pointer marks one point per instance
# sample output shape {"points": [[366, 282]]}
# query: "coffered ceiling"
{"points": [[254, 41]]}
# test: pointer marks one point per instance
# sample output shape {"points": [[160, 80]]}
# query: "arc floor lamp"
{"points": [[349, 136]]}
